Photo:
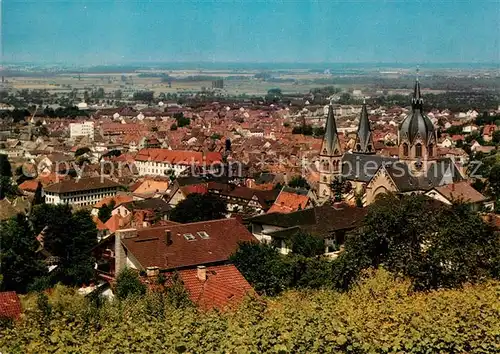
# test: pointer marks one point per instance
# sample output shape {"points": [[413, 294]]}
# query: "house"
{"points": [[160, 208], [215, 287], [242, 199], [181, 246], [117, 200], [330, 223], [290, 200], [461, 191], [162, 162], [151, 188], [10, 305], [81, 192], [488, 131]]}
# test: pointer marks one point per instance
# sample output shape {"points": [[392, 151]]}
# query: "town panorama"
{"points": [[247, 206]]}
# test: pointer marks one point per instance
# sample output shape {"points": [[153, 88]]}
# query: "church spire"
{"points": [[417, 100], [331, 142], [364, 139]]}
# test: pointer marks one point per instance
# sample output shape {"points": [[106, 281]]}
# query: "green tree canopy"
{"points": [[199, 207], [436, 245], [298, 182], [70, 237], [105, 211], [20, 265], [129, 284]]}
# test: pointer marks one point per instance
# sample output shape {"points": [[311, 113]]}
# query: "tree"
{"points": [[337, 187], [129, 284], [298, 182], [5, 168], [7, 188], [82, 151], [436, 245], [105, 211], [38, 198], [494, 180], [306, 245], [20, 265], [70, 237], [496, 137], [199, 207], [263, 267]]}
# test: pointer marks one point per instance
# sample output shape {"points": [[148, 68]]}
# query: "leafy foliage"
{"points": [[128, 284], [436, 245], [198, 207], [299, 182], [70, 237], [105, 211], [19, 262], [379, 315]]}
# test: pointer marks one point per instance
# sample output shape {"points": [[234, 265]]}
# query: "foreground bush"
{"points": [[380, 315]]}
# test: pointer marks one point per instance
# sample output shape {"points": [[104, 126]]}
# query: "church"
{"points": [[416, 169]]}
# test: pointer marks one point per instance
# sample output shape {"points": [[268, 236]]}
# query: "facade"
{"points": [[164, 162], [81, 129], [81, 192], [330, 157]]}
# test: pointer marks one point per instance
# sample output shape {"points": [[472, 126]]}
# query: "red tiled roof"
{"points": [[224, 287], [461, 191], [149, 247], [10, 305], [289, 202], [194, 188], [119, 199], [177, 156], [29, 185]]}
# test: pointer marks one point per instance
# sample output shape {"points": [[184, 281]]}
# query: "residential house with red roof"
{"points": [[215, 287], [290, 200], [461, 192]]}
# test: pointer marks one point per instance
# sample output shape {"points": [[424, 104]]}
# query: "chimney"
{"points": [[152, 271], [168, 237], [202, 273]]}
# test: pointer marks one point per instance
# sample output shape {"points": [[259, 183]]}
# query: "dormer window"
{"points": [[431, 149], [369, 148], [358, 147]]}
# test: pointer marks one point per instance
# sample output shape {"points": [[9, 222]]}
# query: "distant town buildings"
{"points": [[81, 129]]}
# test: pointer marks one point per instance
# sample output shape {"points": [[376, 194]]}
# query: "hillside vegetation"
{"points": [[380, 314]]}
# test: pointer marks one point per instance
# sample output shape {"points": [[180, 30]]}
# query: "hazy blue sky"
{"points": [[106, 31]]}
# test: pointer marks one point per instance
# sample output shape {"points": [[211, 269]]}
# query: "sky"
{"points": [[92, 32]]}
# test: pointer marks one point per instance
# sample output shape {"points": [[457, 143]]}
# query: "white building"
{"points": [[81, 129], [80, 192], [164, 162]]}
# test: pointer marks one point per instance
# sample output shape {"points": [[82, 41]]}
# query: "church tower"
{"points": [[417, 136], [364, 138], [330, 157]]}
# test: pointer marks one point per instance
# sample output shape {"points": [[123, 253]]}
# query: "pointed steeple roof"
{"points": [[417, 101], [364, 140], [331, 142], [417, 124]]}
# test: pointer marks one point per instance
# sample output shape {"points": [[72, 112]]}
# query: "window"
{"points": [[405, 149], [369, 148], [431, 149], [203, 235], [189, 237], [358, 147], [418, 150]]}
